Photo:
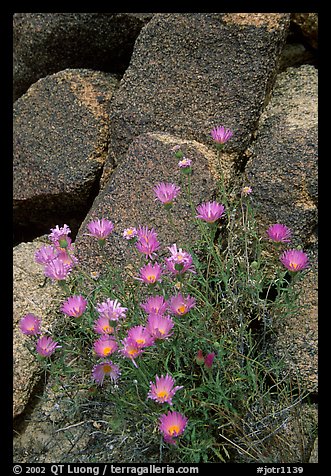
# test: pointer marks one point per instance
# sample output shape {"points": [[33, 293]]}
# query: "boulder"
{"points": [[128, 200], [307, 25], [282, 172], [60, 145], [29, 297], [45, 43], [295, 340], [188, 74], [282, 169]]}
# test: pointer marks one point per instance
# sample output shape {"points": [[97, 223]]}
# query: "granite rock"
{"points": [[188, 75], [128, 200], [29, 297], [282, 168], [45, 43], [60, 145]]}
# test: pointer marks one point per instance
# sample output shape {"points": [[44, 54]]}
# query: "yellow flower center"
{"points": [[133, 352], [151, 278], [106, 369], [162, 393], [108, 329], [181, 309], [31, 328], [106, 350], [173, 429], [140, 341], [293, 265]]}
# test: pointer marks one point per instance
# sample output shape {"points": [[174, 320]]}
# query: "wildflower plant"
{"points": [[178, 352]]}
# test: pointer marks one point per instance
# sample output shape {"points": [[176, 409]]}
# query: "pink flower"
{"points": [[245, 191], [180, 261], [105, 346], [140, 337], [102, 326], [180, 305], [166, 192], [295, 260], [184, 163], [155, 305], [159, 326], [66, 256], [46, 346], [210, 211], [57, 270], [163, 390], [209, 359], [172, 425], [100, 371], [147, 241], [30, 325], [150, 274], [221, 135], [59, 236], [130, 233], [130, 350], [45, 254], [279, 233], [111, 310], [100, 228], [74, 306]]}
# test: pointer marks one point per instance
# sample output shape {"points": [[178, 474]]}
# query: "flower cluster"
{"points": [[30, 325], [294, 260], [58, 257], [127, 336]]}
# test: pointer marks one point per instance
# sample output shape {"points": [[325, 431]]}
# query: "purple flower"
{"points": [[185, 163], [147, 241], [155, 305], [180, 305], [163, 390], [150, 274], [46, 346], [130, 350], [30, 325], [279, 233], [111, 310], [210, 211], [172, 425], [102, 326], [140, 337], [57, 270], [100, 371], [180, 261], [74, 306], [59, 236], [221, 135], [100, 228], [245, 191], [130, 233], [45, 254], [295, 260], [105, 346], [166, 192], [159, 326]]}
